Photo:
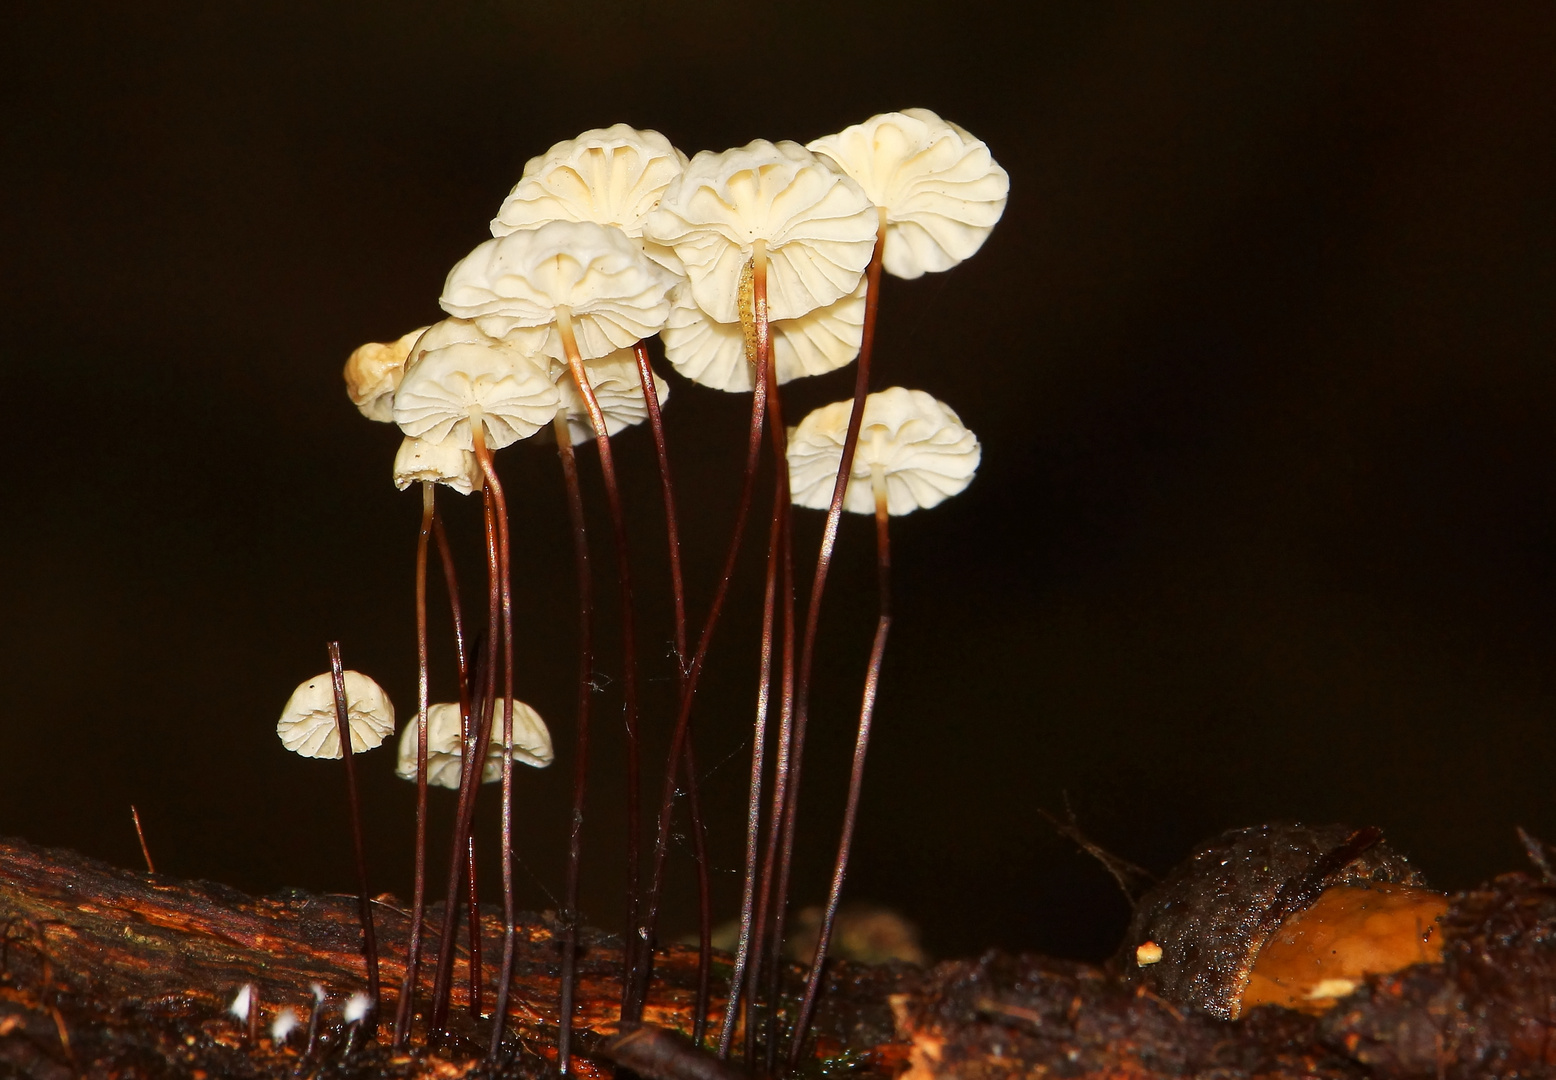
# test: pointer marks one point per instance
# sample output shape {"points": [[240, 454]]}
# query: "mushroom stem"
{"points": [[476, 764], [364, 901], [759, 348], [407, 1004], [564, 322], [140, 835], [575, 510], [678, 592], [856, 774], [465, 721]]}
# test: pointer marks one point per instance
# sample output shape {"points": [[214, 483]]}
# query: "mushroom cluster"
{"points": [[754, 266]]}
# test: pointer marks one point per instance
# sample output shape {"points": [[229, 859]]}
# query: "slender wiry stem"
{"points": [[140, 834], [407, 1004], [470, 778], [364, 900], [737, 982], [570, 918], [856, 774], [477, 764], [474, 919], [678, 591], [643, 962], [564, 322]]}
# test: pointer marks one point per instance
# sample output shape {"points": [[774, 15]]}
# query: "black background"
{"points": [[1260, 357]]}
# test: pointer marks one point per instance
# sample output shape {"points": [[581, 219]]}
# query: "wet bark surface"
{"points": [[110, 973]]}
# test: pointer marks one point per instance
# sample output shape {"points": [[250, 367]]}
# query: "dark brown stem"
{"points": [[628, 642], [678, 591], [478, 764], [364, 901], [407, 1004], [570, 918], [855, 778], [642, 968], [141, 836]]}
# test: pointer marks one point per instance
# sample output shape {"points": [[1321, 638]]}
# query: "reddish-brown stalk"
{"points": [[470, 779], [477, 764], [141, 836], [872, 680], [407, 1004], [364, 900], [678, 591], [602, 441], [575, 511], [642, 956]]}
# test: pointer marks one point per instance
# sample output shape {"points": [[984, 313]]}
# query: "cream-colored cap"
{"points": [[940, 188], [818, 226], [531, 745], [617, 387], [446, 462], [307, 725], [919, 443], [373, 373], [456, 372]]}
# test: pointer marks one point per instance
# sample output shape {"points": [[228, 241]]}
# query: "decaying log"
{"points": [[111, 973]]}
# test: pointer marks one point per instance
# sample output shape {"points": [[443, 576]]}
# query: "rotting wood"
{"points": [[112, 973]]}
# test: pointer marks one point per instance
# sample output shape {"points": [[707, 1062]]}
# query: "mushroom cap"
{"points": [[919, 443], [610, 176], [617, 387], [373, 373], [307, 724], [714, 353], [455, 370], [818, 225], [531, 745], [444, 462], [940, 188], [512, 287]]}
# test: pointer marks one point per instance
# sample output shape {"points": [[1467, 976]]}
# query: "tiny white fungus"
{"points": [[617, 387], [373, 372], [356, 1008], [446, 462], [283, 1025], [240, 1004], [445, 750], [458, 375], [308, 727]]}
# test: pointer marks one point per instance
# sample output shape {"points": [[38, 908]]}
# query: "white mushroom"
{"points": [[307, 725], [531, 745], [940, 190], [918, 444], [617, 386], [519, 286], [714, 353], [815, 225], [373, 373], [446, 462], [458, 375], [610, 176]]}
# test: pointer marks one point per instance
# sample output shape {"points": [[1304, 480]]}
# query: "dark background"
{"points": [[1260, 356]]}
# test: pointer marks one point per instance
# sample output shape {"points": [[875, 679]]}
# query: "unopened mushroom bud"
{"points": [[938, 189], [373, 373], [445, 462], [445, 748], [308, 727]]}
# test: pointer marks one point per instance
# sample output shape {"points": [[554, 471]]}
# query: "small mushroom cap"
{"points": [[610, 176], [940, 188], [455, 371], [373, 374], [919, 443], [531, 745], [443, 462], [307, 724], [714, 353], [817, 223], [617, 387], [512, 287]]}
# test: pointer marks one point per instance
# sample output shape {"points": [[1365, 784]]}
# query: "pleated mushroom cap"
{"points": [[445, 462], [512, 288], [940, 188], [818, 226], [919, 443], [617, 388], [373, 373], [610, 176], [531, 745], [714, 353], [307, 724], [456, 372]]}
